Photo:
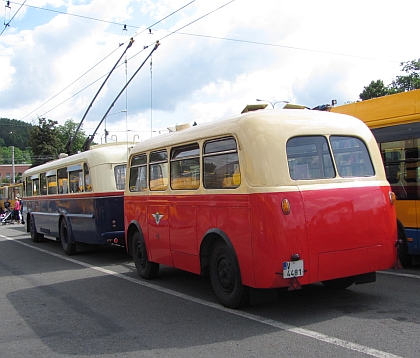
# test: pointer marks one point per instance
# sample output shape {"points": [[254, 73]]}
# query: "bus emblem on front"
{"points": [[157, 217]]}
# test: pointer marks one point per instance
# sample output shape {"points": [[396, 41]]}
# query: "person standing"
{"points": [[17, 213], [21, 211]]}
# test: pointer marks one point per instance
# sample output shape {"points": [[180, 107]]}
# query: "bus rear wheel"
{"points": [[225, 278], [34, 235], [402, 250], [69, 247], [145, 268]]}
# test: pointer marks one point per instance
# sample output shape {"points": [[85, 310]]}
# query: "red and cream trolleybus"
{"points": [[263, 200]]}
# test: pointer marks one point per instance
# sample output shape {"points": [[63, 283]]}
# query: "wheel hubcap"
{"points": [[140, 256], [224, 273]]}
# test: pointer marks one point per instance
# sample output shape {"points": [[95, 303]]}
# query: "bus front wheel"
{"points": [[145, 268], [225, 278], [69, 247]]}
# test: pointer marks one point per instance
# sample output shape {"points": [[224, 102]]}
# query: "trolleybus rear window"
{"points": [[309, 157]]}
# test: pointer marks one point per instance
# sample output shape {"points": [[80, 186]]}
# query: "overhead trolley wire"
{"points": [[136, 34], [145, 47], [6, 25]]}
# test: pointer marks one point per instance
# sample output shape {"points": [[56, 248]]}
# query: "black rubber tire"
{"points": [[36, 237], [225, 278], [69, 247], [145, 268], [339, 283], [403, 256]]}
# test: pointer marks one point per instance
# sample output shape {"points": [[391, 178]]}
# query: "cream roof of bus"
{"points": [[101, 154], [264, 133], [275, 124]]}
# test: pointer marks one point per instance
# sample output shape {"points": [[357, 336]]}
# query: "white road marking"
{"points": [[269, 322], [396, 273]]}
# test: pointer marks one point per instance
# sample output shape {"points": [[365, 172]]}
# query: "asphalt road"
{"points": [[95, 305]]}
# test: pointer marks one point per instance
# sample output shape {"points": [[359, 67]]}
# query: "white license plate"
{"points": [[292, 269]]}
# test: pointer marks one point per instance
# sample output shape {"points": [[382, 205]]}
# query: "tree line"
{"points": [[36, 144], [407, 82]]}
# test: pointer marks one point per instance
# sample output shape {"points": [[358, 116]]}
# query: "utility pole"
{"points": [[13, 164]]}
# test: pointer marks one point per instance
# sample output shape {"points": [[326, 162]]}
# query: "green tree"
{"points": [[66, 131], [373, 90], [14, 133], [411, 80], [408, 82], [44, 141], [21, 156]]}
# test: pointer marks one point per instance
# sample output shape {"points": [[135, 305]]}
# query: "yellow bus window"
{"points": [[63, 187], [221, 164], [52, 184], [158, 170], [185, 167]]}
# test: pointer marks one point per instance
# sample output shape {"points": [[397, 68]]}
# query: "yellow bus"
{"points": [[11, 192], [395, 123]]}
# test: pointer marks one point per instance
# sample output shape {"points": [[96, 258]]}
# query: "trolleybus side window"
{"points": [[36, 185], [309, 157], [392, 163], [158, 170], [138, 173], [76, 178], [351, 156], [43, 184], [28, 187], [221, 164], [411, 165], [185, 167], [87, 183], [119, 174], [63, 187], [51, 182]]}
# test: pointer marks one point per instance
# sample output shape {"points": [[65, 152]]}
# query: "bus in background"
{"points": [[11, 192], [78, 198], [395, 123], [264, 200]]}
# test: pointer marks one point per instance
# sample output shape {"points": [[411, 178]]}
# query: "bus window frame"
{"points": [[158, 166], [184, 156], [231, 179]]}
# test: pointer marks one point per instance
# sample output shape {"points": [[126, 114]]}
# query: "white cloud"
{"points": [[301, 51]]}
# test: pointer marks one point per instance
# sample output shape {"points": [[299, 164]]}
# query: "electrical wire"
{"points": [[286, 47], [8, 23], [73, 84], [136, 34], [171, 33]]}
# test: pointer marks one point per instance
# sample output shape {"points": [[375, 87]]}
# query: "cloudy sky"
{"points": [[215, 57]]}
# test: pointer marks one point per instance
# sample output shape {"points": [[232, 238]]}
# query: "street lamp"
{"points": [[106, 133], [272, 103]]}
